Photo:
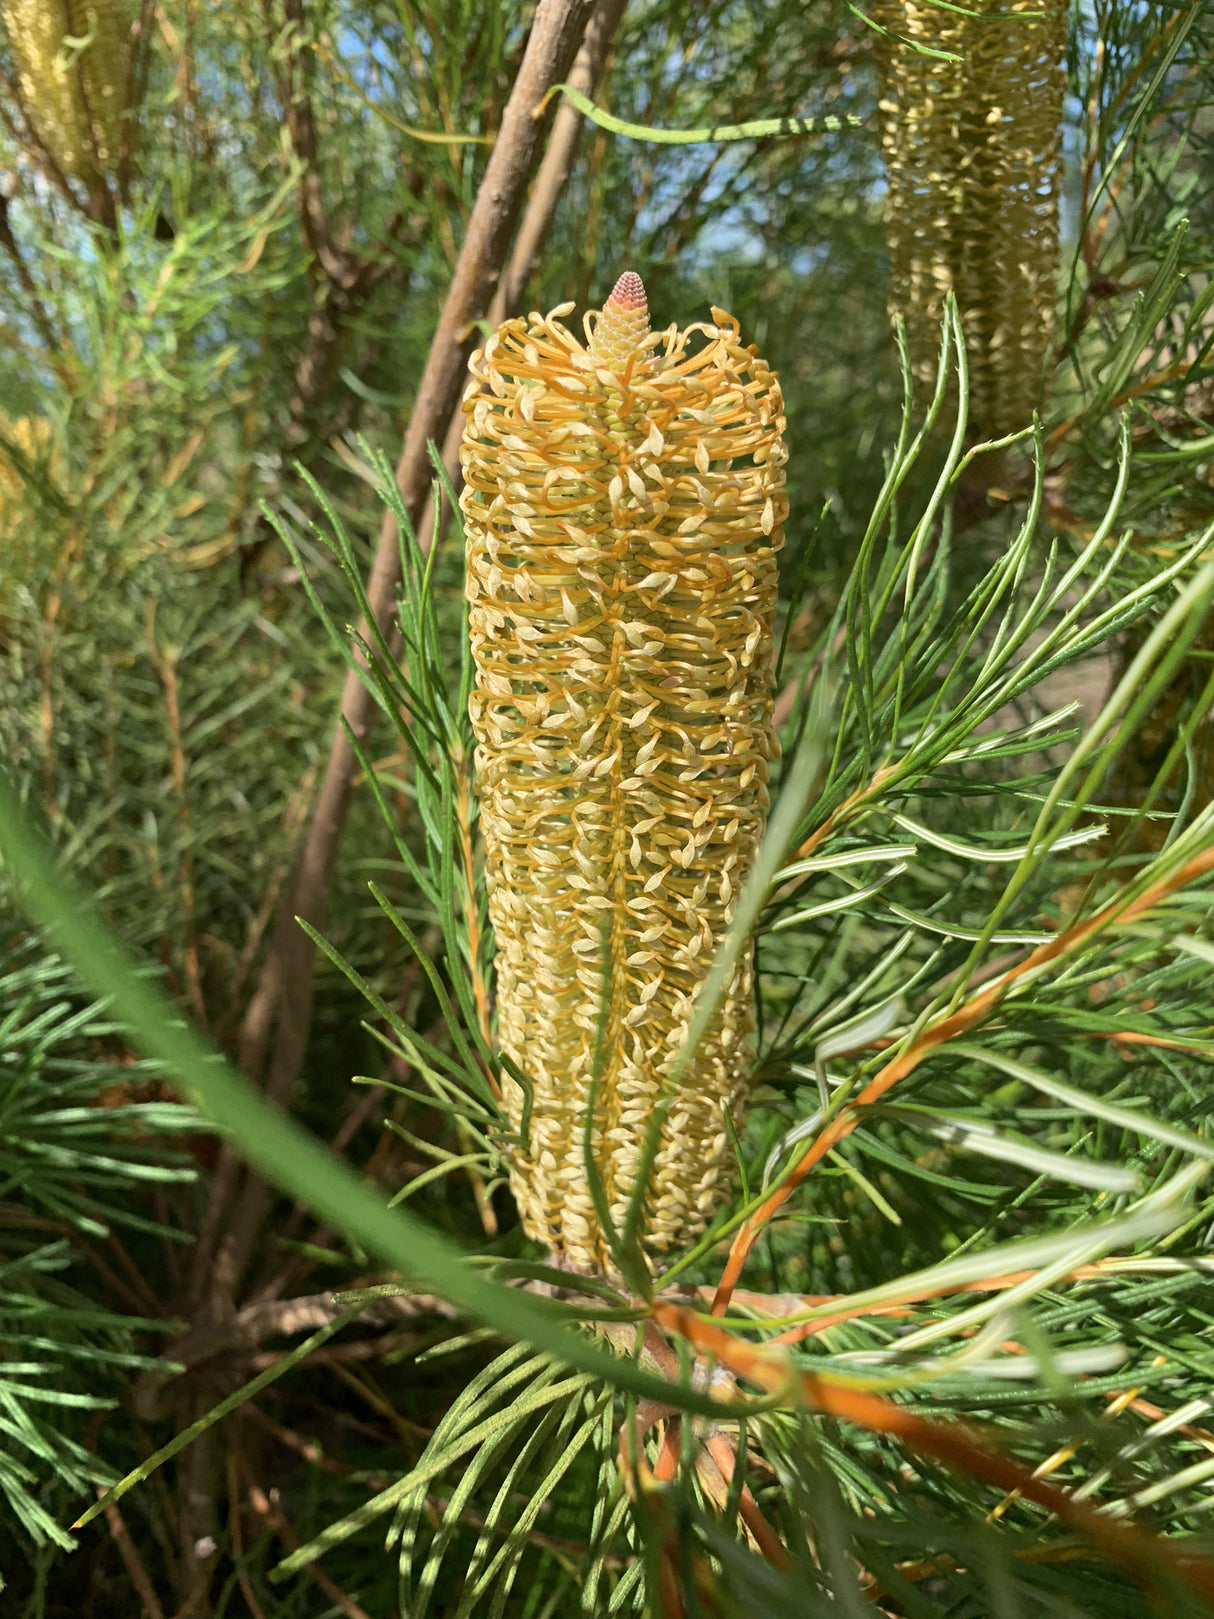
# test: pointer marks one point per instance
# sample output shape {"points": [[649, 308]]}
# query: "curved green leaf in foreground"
{"points": [[278, 1148], [758, 129]]}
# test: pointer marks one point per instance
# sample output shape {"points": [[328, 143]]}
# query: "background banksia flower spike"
{"points": [[76, 95], [973, 153], [623, 506]]}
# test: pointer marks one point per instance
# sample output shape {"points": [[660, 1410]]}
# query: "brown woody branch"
{"points": [[246, 1331], [550, 181], [36, 307], [284, 992], [31, 142], [348, 278]]}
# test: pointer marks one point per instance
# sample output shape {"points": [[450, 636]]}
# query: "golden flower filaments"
{"points": [[973, 153], [74, 60], [623, 506]]}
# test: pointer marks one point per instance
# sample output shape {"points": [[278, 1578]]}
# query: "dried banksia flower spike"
{"points": [[623, 504], [973, 153]]}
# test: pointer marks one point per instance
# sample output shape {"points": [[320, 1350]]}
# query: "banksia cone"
{"points": [[76, 95], [973, 157], [623, 506]]}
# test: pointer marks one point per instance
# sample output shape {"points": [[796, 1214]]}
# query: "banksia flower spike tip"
{"points": [[623, 505], [973, 153]]}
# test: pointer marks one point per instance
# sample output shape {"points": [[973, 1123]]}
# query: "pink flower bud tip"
{"points": [[629, 292], [622, 323]]}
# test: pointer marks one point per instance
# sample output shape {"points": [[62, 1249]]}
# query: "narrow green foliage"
{"points": [[74, 1144]]}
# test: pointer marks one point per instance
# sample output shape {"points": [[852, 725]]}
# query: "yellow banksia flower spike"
{"points": [[623, 505], [73, 60], [973, 154]]}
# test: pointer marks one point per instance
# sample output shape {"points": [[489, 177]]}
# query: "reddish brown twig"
{"points": [[956, 1445], [131, 1560], [1155, 380], [721, 1448], [236, 1530], [164, 661], [715, 1462], [266, 1507]]}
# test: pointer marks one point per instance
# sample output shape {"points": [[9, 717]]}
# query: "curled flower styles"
{"points": [[623, 505]]}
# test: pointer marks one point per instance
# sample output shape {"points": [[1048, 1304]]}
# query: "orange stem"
{"points": [[956, 1445], [947, 1028]]}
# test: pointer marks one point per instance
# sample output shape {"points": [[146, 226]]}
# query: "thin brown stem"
{"points": [[294, 819], [542, 202], [131, 1560], [139, 1292], [31, 142], [46, 670], [553, 171], [721, 1448], [37, 308], [267, 1507], [361, 1349], [284, 991], [236, 1531], [165, 663], [246, 1331]]}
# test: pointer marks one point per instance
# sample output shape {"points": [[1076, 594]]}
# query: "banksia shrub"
{"points": [[973, 159], [623, 506], [75, 95]]}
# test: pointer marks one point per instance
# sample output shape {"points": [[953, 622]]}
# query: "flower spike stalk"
{"points": [[623, 505]]}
